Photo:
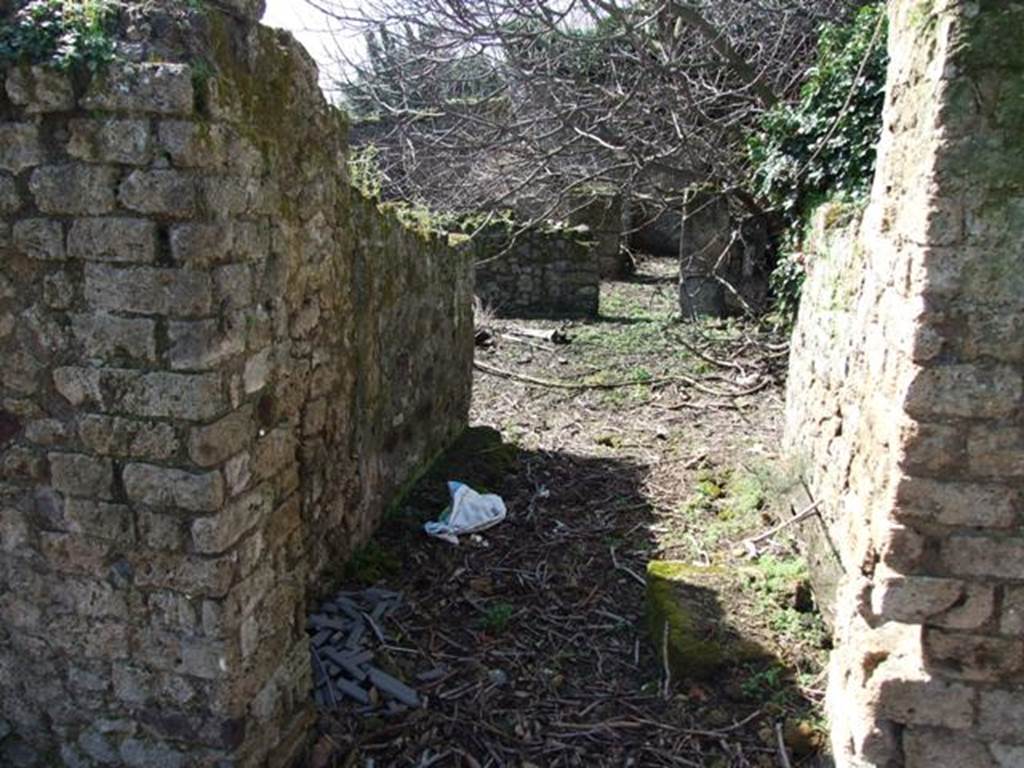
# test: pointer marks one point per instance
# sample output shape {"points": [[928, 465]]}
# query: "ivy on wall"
{"points": [[822, 147], [64, 34]]}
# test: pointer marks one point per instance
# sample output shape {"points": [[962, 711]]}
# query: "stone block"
{"points": [[193, 145], [40, 239], [932, 447], [75, 474], [206, 344], [233, 284], [74, 188], [257, 372], [165, 487], [956, 503], [217, 534], [148, 290], [1000, 714], [973, 657], [932, 748], [40, 89], [10, 200], [109, 338], [1012, 622], [163, 192], [914, 599], [111, 522], [237, 474], [136, 753], [273, 453], [1001, 557], [113, 239], [201, 244], [128, 438], [934, 702], [110, 141], [215, 443], [20, 146], [159, 88], [190, 397], [996, 451], [1007, 755], [969, 391]]}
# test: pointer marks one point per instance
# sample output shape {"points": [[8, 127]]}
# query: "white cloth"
{"points": [[469, 512]]}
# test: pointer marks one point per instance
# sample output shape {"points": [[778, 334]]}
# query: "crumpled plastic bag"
{"points": [[469, 512]]}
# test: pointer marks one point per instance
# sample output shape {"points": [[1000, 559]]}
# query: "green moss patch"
{"points": [[689, 619]]}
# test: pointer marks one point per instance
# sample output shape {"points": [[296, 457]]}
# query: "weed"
{"points": [[769, 685], [774, 586], [495, 620]]}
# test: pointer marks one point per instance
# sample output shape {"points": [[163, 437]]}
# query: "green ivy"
{"points": [[64, 34], [823, 146]]}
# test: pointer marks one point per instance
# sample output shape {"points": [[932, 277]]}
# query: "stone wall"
{"points": [[601, 212], [904, 410], [219, 366], [536, 272]]}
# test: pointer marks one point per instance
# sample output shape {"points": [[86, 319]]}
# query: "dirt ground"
{"points": [[642, 438]]}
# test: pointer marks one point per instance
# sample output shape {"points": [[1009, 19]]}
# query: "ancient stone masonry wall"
{"points": [[537, 273], [218, 367], [904, 410]]}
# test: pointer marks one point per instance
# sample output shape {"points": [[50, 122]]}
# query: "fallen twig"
{"points": [[803, 515]]}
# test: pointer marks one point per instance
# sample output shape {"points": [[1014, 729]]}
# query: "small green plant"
{"points": [[64, 34], [495, 620], [770, 685]]}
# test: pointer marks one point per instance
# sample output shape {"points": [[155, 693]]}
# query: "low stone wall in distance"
{"points": [[536, 272], [219, 367]]}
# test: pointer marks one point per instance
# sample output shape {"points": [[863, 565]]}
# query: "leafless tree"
{"points": [[478, 104]]}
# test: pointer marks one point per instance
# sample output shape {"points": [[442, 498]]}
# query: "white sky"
{"points": [[317, 32]]}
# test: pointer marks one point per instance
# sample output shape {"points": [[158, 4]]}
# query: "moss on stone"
{"points": [[684, 600]]}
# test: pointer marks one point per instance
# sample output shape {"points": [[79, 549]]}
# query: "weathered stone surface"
{"points": [[74, 188], [108, 338], [158, 88], [958, 503], [148, 290], [215, 443], [163, 487], [940, 749], [196, 375], [206, 344], [129, 438], [193, 145], [904, 394], [974, 657], [110, 141], [40, 239], [81, 475], [538, 273], [10, 201], [189, 397], [984, 556], [172, 193], [213, 535], [113, 239], [20, 146], [40, 89]]}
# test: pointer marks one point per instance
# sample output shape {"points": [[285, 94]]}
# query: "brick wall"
{"points": [[219, 366], [904, 411]]}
